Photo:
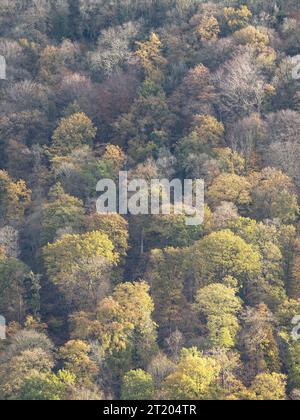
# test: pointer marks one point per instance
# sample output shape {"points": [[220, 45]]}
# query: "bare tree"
{"points": [[244, 135], [282, 147], [113, 49], [241, 87]]}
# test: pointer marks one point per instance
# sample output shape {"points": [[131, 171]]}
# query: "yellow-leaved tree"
{"points": [[80, 265], [195, 377], [73, 131], [15, 197]]}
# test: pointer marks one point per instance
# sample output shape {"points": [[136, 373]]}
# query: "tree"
{"points": [[9, 241], [294, 286], [125, 321], [14, 200], [122, 332], [195, 95], [137, 385], [228, 161], [149, 55], [19, 290], [72, 132], [245, 136], [237, 18], [28, 353], [114, 97], [159, 368], [86, 394], [145, 129], [61, 212], [81, 170], [252, 37], [222, 254], [257, 341], [172, 231], [220, 306], [20, 367], [269, 386], [208, 28], [276, 255], [114, 226], [231, 188], [79, 266], [195, 377], [231, 366], [113, 50], [51, 63], [116, 155], [75, 355], [293, 359], [285, 85], [166, 273], [19, 132], [240, 86], [46, 387], [74, 19], [204, 144], [223, 215], [209, 130], [208, 133], [273, 196], [27, 339], [281, 146]]}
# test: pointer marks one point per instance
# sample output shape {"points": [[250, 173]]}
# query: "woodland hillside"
{"points": [[146, 307]]}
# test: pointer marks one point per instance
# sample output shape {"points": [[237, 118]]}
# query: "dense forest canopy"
{"points": [[146, 307]]}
